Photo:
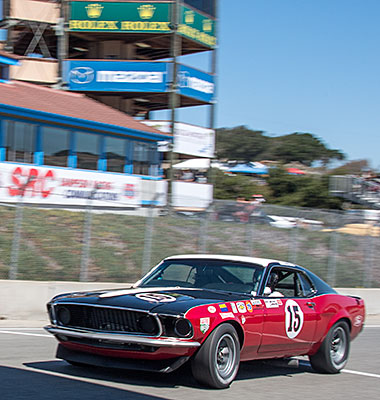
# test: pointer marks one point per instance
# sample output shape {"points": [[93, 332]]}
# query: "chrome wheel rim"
{"points": [[338, 346], [225, 358]]}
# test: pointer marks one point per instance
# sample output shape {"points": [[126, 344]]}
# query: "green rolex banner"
{"points": [[197, 27], [119, 17], [139, 18]]}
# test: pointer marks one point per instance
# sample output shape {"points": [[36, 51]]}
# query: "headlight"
{"points": [[148, 324], [63, 316], [183, 328]]}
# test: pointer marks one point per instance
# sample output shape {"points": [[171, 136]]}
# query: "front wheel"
{"points": [[332, 356], [217, 362]]}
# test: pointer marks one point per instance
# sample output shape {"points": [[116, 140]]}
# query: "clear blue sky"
{"points": [[300, 66]]}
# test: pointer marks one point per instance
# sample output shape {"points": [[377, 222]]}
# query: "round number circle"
{"points": [[156, 297], [293, 318]]}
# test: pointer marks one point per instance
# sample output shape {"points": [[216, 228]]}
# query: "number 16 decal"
{"points": [[293, 319]]}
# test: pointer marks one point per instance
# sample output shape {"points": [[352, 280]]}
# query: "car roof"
{"points": [[264, 262]]}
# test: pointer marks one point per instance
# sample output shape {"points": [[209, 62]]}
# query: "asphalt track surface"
{"points": [[28, 370]]}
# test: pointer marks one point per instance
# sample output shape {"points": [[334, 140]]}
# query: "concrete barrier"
{"points": [[371, 298], [26, 300]]}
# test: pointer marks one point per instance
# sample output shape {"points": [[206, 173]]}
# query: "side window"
{"points": [[284, 283], [306, 286], [287, 284]]}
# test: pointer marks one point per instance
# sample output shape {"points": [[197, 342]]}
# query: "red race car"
{"points": [[213, 311]]}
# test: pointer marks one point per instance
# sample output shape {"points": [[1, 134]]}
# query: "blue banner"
{"points": [[115, 76], [136, 76], [196, 84]]}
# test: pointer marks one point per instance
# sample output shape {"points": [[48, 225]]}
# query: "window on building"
{"points": [[4, 73], [20, 141], [144, 158], [56, 145], [87, 150], [207, 6], [115, 153]]}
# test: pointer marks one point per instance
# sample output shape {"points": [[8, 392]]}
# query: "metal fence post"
{"points": [[149, 227], [368, 271], [203, 228], [83, 274], [13, 270], [293, 245], [249, 232], [332, 256]]}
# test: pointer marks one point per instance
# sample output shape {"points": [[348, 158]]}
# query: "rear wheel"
{"points": [[217, 362], [332, 355]]}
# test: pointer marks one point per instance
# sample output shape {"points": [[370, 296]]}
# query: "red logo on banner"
{"points": [[129, 190], [31, 181]]}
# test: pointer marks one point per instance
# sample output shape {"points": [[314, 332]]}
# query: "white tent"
{"points": [[194, 163]]}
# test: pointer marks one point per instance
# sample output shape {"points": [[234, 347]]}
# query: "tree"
{"points": [[240, 143], [302, 191], [243, 144], [305, 148], [230, 187], [351, 168]]}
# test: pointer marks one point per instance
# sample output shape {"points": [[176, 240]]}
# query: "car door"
{"points": [[289, 315]]}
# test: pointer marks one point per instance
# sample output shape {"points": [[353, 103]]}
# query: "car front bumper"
{"points": [[66, 333], [79, 358]]}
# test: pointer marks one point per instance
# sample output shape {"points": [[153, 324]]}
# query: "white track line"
{"points": [[21, 329], [26, 334], [348, 371]]}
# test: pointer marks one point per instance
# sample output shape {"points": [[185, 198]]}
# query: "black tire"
{"points": [[333, 353], [217, 362]]}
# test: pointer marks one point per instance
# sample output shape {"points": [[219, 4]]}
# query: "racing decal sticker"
{"points": [[223, 307], [293, 318], [234, 308], [256, 303], [211, 310], [249, 306], [358, 320], [241, 307], [204, 324], [155, 297], [225, 315], [271, 303], [243, 319]]}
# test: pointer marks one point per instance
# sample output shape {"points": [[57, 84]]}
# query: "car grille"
{"points": [[106, 319]]}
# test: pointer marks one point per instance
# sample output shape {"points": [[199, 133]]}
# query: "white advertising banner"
{"points": [[189, 139], [191, 195], [66, 187]]}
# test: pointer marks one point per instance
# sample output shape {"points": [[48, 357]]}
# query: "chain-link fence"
{"points": [[90, 245]]}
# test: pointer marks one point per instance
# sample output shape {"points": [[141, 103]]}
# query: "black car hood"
{"points": [[164, 300]]}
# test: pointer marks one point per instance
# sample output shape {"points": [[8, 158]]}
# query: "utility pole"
{"points": [[62, 41], [211, 125], [175, 53]]}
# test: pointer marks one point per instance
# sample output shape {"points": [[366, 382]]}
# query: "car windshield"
{"points": [[206, 274]]}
